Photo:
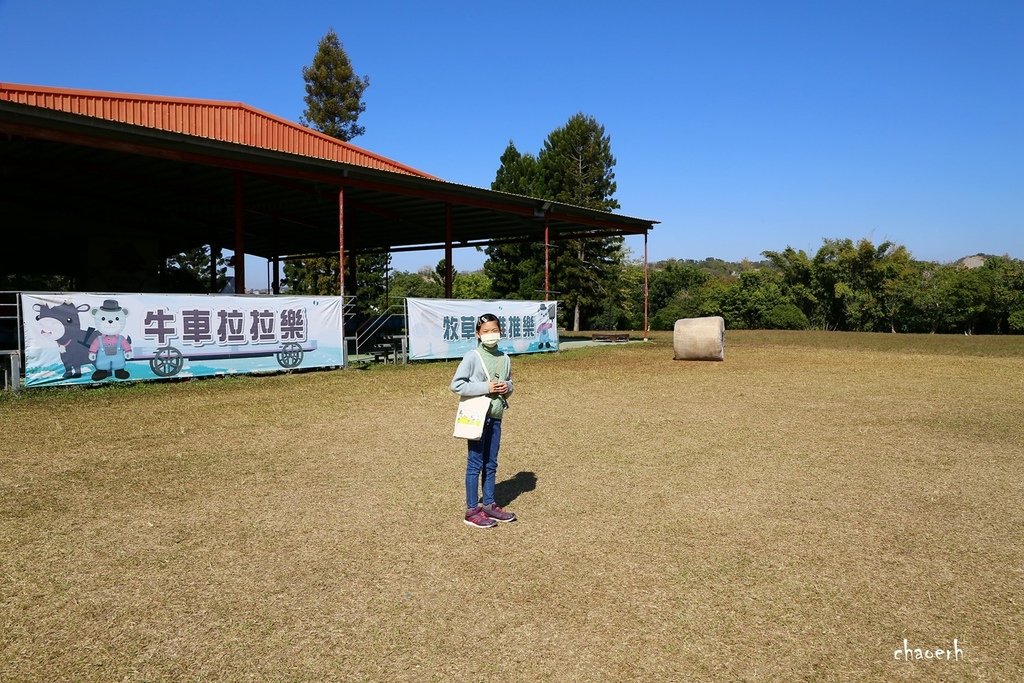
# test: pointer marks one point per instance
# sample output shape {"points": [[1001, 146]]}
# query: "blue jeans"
{"points": [[483, 457]]}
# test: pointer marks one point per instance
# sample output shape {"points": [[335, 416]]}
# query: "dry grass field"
{"points": [[790, 514]]}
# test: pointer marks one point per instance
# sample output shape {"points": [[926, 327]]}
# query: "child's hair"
{"points": [[487, 318]]}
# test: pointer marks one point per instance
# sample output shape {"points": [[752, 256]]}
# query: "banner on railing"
{"points": [[446, 328], [73, 338]]}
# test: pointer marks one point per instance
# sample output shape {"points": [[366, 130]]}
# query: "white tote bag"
{"points": [[469, 419]]}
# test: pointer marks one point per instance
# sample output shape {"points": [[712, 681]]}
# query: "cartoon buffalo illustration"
{"points": [[62, 325]]}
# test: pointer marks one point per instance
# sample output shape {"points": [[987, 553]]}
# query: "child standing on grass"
{"points": [[485, 370]]}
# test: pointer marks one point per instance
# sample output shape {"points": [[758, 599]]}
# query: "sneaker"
{"points": [[476, 517], [496, 513]]}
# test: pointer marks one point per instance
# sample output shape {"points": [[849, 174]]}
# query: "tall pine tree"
{"points": [[574, 167], [334, 101], [334, 93]]}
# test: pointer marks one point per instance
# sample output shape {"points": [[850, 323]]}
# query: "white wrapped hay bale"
{"points": [[699, 338]]}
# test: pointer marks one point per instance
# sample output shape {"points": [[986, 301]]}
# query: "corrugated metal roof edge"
{"points": [[29, 88]]}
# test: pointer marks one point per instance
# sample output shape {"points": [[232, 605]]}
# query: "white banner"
{"points": [[73, 338], [446, 328]]}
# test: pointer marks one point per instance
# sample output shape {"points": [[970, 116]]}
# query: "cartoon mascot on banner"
{"points": [[110, 349], [546, 315], [62, 325]]}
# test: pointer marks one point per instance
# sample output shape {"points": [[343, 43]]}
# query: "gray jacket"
{"points": [[471, 376]]}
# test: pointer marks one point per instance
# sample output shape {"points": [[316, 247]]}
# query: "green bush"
{"points": [[1016, 320], [682, 305], [786, 316]]}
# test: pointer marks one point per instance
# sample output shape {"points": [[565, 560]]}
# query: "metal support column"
{"points": [[646, 326], [341, 244], [341, 272], [239, 233], [275, 261], [447, 251], [547, 240]]}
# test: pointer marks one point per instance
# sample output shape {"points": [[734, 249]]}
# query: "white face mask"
{"points": [[490, 338]]}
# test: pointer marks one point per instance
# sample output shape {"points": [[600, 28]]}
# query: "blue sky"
{"points": [[740, 126]]}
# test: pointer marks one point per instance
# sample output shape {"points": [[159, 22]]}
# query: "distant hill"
{"points": [[975, 261], [716, 267], [721, 268]]}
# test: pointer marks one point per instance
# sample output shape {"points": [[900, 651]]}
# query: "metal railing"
{"points": [[10, 341], [348, 305], [370, 330]]}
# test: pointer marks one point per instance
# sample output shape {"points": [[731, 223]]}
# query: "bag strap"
{"points": [[508, 365], [482, 363]]}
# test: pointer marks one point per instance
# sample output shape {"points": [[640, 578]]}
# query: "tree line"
{"points": [[845, 285]]}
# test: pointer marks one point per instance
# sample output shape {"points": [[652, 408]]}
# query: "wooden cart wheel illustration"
{"points": [[290, 356], [167, 362]]}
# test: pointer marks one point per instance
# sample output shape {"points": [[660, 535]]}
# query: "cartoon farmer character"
{"points": [[546, 317], [110, 349]]}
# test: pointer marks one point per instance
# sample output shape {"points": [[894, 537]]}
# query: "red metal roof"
{"points": [[224, 121]]}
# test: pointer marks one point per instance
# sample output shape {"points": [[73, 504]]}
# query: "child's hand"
{"points": [[498, 388]]}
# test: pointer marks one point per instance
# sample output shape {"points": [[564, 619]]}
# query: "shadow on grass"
{"points": [[507, 491]]}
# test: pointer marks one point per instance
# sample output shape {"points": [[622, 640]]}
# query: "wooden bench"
{"points": [[610, 337]]}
